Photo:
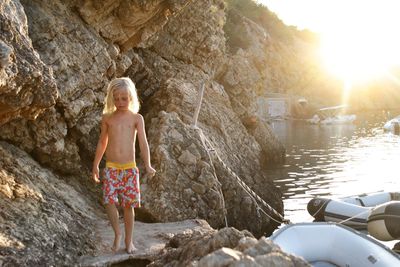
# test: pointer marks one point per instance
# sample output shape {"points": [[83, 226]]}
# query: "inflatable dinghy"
{"points": [[329, 244], [381, 221], [330, 210], [372, 200]]}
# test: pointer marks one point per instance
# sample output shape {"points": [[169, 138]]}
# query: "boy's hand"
{"points": [[150, 171], [95, 175]]}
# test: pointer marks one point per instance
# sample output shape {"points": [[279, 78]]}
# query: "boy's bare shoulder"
{"points": [[137, 116], [106, 117]]}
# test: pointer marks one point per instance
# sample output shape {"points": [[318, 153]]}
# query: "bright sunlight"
{"points": [[360, 39]]}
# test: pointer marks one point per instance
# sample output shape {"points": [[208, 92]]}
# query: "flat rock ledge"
{"points": [[188, 243], [149, 240]]}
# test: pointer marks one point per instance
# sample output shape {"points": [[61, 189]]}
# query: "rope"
{"points": [[194, 125], [252, 194], [209, 148], [202, 137], [341, 222], [346, 220], [352, 217], [257, 199], [318, 210]]}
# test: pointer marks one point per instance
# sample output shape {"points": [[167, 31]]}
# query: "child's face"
{"points": [[121, 99]]}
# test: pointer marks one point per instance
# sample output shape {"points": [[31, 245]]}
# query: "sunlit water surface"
{"points": [[334, 161]]}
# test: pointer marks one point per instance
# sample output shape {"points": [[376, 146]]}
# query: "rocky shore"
{"points": [[190, 243], [56, 59]]}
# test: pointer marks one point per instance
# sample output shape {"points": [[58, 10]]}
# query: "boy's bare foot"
{"points": [[117, 241], [130, 248]]}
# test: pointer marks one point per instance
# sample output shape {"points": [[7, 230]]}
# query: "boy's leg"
{"points": [[131, 199], [113, 216], [129, 217]]}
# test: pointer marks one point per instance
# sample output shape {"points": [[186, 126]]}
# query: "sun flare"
{"points": [[359, 38], [354, 59], [360, 54]]}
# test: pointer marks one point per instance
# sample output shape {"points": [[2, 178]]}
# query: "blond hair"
{"points": [[121, 83]]}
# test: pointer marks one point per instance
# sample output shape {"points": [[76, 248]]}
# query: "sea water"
{"points": [[334, 161]]}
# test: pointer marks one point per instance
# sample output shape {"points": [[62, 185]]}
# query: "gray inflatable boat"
{"points": [[330, 244]]}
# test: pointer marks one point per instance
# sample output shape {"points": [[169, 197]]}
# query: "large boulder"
{"points": [[195, 166]]}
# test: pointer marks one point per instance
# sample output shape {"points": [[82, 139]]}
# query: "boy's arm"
{"points": [[144, 146], [100, 149]]}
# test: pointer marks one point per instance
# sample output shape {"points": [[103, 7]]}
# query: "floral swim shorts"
{"points": [[121, 180]]}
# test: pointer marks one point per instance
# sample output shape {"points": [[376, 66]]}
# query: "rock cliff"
{"points": [[56, 60]]}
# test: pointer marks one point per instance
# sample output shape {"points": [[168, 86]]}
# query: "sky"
{"points": [[323, 15], [360, 38]]}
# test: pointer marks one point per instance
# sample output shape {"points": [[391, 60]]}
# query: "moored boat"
{"points": [[332, 115], [329, 244], [372, 200], [384, 221], [393, 126], [331, 210], [377, 213]]}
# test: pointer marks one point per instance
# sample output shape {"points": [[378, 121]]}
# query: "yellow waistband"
{"points": [[123, 166]]}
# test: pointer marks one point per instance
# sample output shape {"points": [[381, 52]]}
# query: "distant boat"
{"points": [[332, 115], [393, 126], [329, 244]]}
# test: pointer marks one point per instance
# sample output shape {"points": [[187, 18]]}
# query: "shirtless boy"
{"points": [[119, 126]]}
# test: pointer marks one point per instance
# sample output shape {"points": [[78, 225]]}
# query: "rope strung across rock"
{"points": [[202, 136], [250, 192], [209, 148]]}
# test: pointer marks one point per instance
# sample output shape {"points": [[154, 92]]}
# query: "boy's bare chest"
{"points": [[116, 127]]}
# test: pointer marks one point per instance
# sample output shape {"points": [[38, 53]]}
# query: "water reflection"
{"points": [[334, 161]]}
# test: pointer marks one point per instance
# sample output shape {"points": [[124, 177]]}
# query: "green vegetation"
{"points": [[267, 19]]}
